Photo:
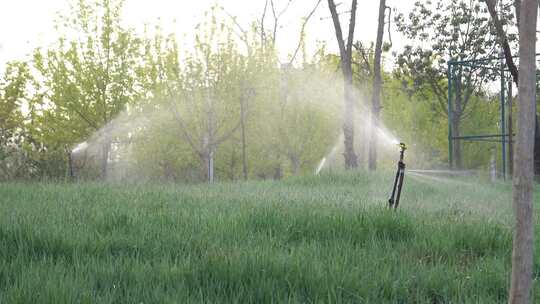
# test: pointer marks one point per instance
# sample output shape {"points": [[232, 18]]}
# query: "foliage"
{"points": [[88, 77], [148, 109], [457, 30], [14, 145], [196, 105]]}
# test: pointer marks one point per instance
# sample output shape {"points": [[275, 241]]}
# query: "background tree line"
{"points": [[228, 108]]}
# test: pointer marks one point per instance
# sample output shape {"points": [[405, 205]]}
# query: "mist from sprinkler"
{"points": [[80, 147]]}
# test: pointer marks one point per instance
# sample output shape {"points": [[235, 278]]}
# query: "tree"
{"points": [[13, 90], [203, 93], [87, 81], [458, 30], [523, 244], [377, 85], [345, 52]]}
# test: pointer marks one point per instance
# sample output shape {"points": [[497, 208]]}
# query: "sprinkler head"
{"points": [[402, 146]]}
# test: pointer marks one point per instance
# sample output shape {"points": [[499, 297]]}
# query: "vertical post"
{"points": [[69, 153], [450, 116], [211, 166], [510, 131], [503, 123]]}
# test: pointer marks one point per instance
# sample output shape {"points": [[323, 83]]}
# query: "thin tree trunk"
{"points": [[70, 162], [232, 165], [69, 155], [244, 144], [522, 254], [377, 84], [105, 149], [510, 131], [208, 160], [211, 138], [346, 67], [351, 160], [278, 172], [295, 163]]}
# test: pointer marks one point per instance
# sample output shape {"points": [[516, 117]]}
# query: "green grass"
{"points": [[303, 240]]}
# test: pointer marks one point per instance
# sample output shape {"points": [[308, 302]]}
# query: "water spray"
{"points": [[320, 166], [393, 202]]}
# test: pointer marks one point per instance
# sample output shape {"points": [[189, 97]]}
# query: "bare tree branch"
{"points": [[302, 30], [389, 22], [179, 119], [285, 8], [276, 21], [365, 57], [503, 40], [352, 22], [337, 26], [263, 34], [244, 36]]}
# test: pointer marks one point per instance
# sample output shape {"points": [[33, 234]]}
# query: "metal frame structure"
{"points": [[504, 137]]}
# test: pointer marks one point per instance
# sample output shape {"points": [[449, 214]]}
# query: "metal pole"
{"points": [[450, 116], [503, 123]]}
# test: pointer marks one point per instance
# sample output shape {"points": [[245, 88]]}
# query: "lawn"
{"points": [[302, 240]]}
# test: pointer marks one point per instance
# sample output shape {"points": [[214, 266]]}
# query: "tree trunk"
{"points": [[208, 159], [295, 163], [510, 131], [70, 160], [456, 146], [232, 165], [105, 149], [278, 172], [69, 155], [346, 67], [351, 160], [522, 254], [244, 142], [211, 167], [377, 84]]}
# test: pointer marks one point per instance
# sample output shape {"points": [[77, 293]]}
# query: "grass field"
{"points": [[303, 240]]}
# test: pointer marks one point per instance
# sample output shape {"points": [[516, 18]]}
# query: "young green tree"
{"points": [[88, 77], [13, 93], [203, 93]]}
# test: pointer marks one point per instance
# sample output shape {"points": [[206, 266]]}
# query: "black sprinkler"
{"points": [[393, 202]]}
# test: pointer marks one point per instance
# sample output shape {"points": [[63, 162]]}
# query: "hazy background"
{"points": [[26, 24]]}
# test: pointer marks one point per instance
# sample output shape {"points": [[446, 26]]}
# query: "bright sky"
{"points": [[25, 24]]}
